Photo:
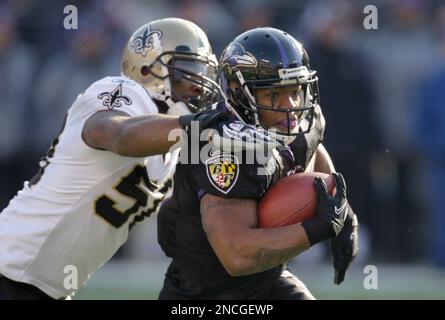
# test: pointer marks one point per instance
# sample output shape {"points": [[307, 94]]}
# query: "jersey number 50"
{"points": [[129, 186]]}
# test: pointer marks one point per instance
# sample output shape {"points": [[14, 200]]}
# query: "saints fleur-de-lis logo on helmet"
{"points": [[114, 98], [143, 42]]}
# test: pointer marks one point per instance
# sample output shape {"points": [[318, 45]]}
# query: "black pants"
{"points": [[286, 287], [12, 290], [289, 287]]}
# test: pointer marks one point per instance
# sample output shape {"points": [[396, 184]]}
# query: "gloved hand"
{"points": [[203, 119], [344, 247], [330, 212], [193, 126]]}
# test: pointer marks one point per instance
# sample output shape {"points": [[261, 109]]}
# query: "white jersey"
{"points": [[68, 221]]}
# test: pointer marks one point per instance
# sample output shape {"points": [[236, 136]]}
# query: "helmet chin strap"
{"points": [[280, 137], [177, 108], [174, 108]]}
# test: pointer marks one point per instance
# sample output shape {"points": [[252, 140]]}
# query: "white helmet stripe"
{"points": [[246, 89]]}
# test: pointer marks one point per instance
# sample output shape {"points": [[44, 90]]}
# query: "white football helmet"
{"points": [[166, 51]]}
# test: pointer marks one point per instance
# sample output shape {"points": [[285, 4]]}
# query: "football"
{"points": [[291, 200]]}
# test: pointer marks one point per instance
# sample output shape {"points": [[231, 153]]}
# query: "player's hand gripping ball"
{"points": [[291, 200]]}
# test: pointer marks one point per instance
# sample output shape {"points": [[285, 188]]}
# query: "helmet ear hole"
{"points": [[237, 93], [145, 70]]}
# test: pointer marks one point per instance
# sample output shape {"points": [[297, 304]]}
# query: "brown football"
{"points": [[291, 200]]}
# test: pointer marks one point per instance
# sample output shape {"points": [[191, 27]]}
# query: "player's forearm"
{"points": [[242, 248], [263, 249], [146, 136]]}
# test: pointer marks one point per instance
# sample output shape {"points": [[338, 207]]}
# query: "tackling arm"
{"points": [[231, 228], [122, 134]]}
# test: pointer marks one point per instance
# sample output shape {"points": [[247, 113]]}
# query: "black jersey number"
{"points": [[128, 186]]}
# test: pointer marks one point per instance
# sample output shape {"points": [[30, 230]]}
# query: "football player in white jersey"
{"points": [[105, 171]]}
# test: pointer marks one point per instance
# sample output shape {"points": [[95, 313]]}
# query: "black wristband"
{"points": [[185, 120], [317, 231], [204, 118]]}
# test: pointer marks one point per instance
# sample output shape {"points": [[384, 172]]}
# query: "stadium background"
{"points": [[380, 92]]}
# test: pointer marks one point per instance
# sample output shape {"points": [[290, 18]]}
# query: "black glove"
{"points": [[344, 247], [330, 212], [204, 119]]}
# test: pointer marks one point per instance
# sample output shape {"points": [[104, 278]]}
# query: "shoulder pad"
{"points": [[225, 175], [119, 93]]}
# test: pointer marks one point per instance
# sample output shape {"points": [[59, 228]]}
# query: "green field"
{"points": [[143, 280]]}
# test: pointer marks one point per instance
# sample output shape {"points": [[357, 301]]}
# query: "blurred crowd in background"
{"points": [[382, 94]]}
